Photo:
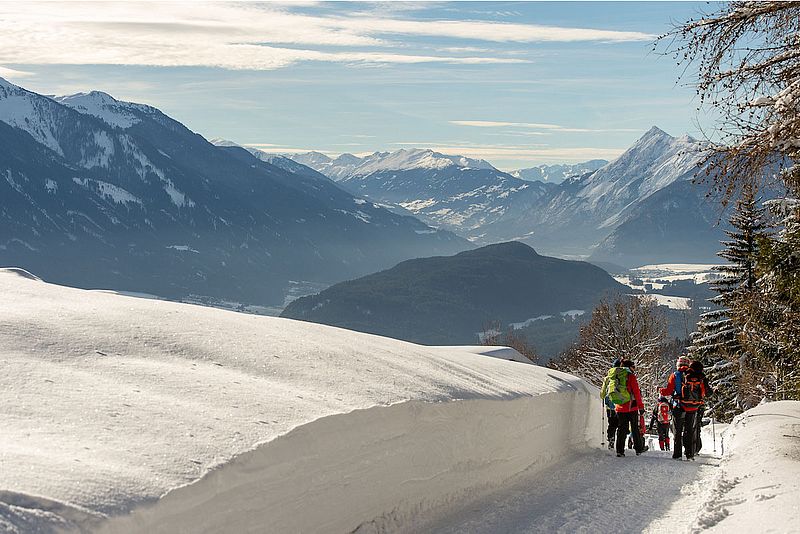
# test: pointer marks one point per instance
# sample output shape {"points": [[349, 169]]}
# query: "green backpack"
{"points": [[617, 388]]}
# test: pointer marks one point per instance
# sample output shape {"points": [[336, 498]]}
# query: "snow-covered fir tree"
{"points": [[716, 342], [772, 330]]}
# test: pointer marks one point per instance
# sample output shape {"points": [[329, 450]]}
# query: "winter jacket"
{"points": [[672, 385], [635, 404]]}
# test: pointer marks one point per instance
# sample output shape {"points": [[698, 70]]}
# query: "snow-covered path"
{"points": [[589, 493]]}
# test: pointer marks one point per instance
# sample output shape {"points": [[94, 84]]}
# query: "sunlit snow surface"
{"points": [[110, 402]]}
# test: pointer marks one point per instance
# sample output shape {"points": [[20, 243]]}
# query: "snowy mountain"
{"points": [[456, 193], [347, 166], [578, 214], [558, 173], [97, 192], [570, 218]]}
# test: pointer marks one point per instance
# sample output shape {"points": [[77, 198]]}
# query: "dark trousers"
{"points": [[663, 435], [698, 425], [684, 432], [613, 423], [629, 424]]}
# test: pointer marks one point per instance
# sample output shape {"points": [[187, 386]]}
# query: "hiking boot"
{"points": [[690, 458], [677, 458], [620, 454], [645, 449]]}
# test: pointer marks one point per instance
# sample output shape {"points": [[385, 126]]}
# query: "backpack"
{"points": [[663, 412], [691, 390], [617, 390]]}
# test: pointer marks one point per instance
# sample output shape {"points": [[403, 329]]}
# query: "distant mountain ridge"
{"points": [[97, 192], [558, 173], [445, 300], [348, 166], [573, 218]]}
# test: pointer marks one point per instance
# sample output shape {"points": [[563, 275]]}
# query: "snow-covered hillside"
{"points": [[123, 414], [133, 415]]}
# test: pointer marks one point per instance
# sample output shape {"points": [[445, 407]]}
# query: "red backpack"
{"points": [[663, 412]]}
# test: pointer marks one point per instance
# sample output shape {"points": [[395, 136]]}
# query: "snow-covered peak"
{"points": [[218, 141], [348, 165], [103, 106], [30, 112], [656, 160], [312, 159], [559, 172], [414, 158]]}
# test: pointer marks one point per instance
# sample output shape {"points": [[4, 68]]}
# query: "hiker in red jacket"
{"points": [[687, 390], [628, 414]]}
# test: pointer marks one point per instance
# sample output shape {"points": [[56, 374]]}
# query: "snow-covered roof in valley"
{"points": [[104, 106], [112, 401]]}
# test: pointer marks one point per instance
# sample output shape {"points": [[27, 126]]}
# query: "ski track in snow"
{"points": [[589, 493]]}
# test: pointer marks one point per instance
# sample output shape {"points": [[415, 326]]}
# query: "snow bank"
{"points": [[757, 486], [133, 415]]}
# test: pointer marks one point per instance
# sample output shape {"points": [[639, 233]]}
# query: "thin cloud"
{"points": [[540, 126], [6, 72], [245, 35]]}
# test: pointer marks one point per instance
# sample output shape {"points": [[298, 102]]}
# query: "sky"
{"points": [[515, 83]]}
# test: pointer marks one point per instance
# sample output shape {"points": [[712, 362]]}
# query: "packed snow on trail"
{"points": [[125, 414]]}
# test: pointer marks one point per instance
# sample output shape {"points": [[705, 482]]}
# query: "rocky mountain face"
{"points": [[95, 192], [577, 217], [445, 300]]}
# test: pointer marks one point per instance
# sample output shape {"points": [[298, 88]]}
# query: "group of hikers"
{"points": [[680, 406]]}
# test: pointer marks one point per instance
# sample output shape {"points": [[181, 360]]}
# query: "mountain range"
{"points": [[97, 192], [642, 207], [558, 173], [451, 299]]}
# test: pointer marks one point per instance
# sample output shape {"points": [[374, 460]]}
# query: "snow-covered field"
{"points": [[671, 302], [658, 274], [124, 414]]}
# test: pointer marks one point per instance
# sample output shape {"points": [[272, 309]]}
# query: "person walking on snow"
{"points": [[660, 420], [611, 414], [697, 367], [628, 413], [642, 429], [687, 390]]}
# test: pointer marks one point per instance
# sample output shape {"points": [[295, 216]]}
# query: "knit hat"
{"points": [[615, 363], [683, 361]]}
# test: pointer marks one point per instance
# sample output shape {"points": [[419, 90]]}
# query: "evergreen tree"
{"points": [[716, 342], [772, 330]]}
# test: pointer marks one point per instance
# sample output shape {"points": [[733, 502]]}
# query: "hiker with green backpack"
{"points": [[611, 414], [622, 389]]}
